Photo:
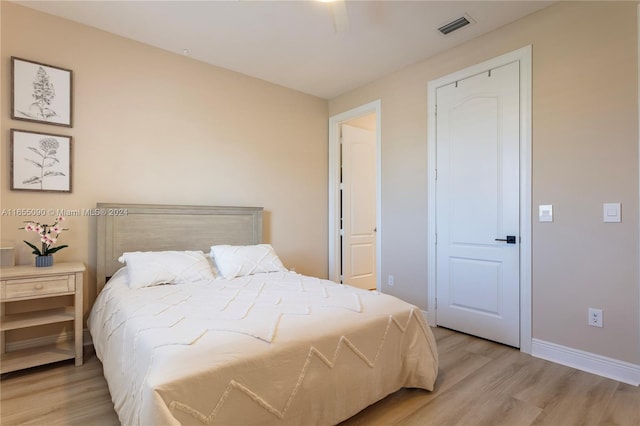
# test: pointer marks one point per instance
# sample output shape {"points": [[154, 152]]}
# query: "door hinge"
{"points": [[341, 279], [341, 186], [342, 232]]}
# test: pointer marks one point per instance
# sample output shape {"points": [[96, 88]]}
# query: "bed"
{"points": [[260, 345]]}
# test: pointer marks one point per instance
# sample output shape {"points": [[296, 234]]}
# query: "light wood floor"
{"points": [[479, 383]]}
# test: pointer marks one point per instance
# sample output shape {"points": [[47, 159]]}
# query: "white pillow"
{"points": [[238, 261], [166, 267]]}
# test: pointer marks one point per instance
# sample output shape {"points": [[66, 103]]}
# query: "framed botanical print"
{"points": [[41, 93], [40, 161]]}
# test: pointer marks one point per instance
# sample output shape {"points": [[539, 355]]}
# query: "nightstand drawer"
{"points": [[37, 287]]}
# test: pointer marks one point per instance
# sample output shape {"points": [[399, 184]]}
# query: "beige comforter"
{"points": [[277, 348]]}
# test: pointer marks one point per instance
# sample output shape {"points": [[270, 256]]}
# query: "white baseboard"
{"points": [[66, 336], [621, 371]]}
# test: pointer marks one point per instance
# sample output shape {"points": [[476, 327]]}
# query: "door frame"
{"points": [[334, 187], [524, 56]]}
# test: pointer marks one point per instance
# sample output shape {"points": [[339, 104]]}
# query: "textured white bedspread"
{"points": [[277, 348]]}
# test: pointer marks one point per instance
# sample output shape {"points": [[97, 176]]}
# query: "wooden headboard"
{"points": [[154, 227]]}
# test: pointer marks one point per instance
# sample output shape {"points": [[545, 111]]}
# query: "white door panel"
{"points": [[483, 296], [362, 261], [359, 207], [477, 202]]}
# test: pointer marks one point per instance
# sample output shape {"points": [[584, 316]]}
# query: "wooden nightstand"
{"points": [[28, 283]]}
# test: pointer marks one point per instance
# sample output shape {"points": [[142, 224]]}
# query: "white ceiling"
{"points": [[293, 43]]}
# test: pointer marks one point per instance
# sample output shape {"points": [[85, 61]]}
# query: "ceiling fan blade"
{"points": [[339, 13]]}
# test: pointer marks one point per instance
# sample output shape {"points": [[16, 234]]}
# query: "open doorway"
{"points": [[354, 191]]}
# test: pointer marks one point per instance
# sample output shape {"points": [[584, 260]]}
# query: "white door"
{"points": [[358, 207], [477, 205]]}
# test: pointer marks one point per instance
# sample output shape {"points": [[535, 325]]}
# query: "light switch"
{"points": [[611, 212], [545, 213]]}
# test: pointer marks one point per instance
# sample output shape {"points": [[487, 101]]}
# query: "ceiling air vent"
{"points": [[454, 25]]}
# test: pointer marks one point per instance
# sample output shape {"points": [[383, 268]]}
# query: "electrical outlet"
{"points": [[390, 280], [595, 317]]}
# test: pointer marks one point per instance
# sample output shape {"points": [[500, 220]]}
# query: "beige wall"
{"points": [[585, 153], [151, 126]]}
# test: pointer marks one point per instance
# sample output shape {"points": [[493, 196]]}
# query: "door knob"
{"points": [[511, 239]]}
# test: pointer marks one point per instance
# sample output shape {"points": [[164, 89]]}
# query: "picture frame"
{"points": [[41, 161], [41, 93]]}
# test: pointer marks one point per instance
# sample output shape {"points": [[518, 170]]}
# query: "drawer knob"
{"points": [[39, 286]]}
